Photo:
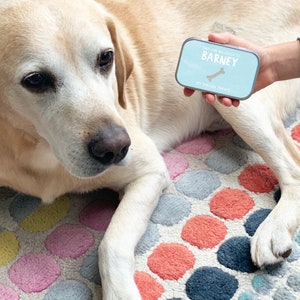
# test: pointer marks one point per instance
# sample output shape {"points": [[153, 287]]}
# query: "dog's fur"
{"points": [[71, 133]]}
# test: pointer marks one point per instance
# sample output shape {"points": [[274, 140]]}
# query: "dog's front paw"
{"points": [[117, 273], [272, 242], [117, 293], [119, 286]]}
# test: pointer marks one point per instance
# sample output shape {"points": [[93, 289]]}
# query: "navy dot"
{"points": [[277, 195], [170, 210], [255, 220], [198, 184], [210, 283], [235, 254], [227, 160]]}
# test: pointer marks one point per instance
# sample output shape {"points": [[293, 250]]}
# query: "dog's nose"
{"points": [[110, 145]]}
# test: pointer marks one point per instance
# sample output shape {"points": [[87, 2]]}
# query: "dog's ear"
{"points": [[123, 61]]}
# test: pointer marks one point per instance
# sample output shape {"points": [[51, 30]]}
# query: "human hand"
{"points": [[264, 78]]}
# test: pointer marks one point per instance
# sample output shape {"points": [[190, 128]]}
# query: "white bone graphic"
{"points": [[211, 77]]}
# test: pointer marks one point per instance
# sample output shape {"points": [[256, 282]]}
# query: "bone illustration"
{"points": [[211, 77]]}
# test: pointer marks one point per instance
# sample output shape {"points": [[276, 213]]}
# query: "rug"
{"points": [[196, 246]]}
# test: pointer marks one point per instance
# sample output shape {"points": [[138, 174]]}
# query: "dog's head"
{"points": [[63, 70]]}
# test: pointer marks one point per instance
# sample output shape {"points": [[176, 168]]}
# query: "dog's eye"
{"points": [[38, 82], [105, 60]]}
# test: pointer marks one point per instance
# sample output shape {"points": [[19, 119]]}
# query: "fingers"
{"points": [[188, 92], [211, 98], [233, 40]]}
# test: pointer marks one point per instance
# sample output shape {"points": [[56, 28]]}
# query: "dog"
{"points": [[89, 100]]}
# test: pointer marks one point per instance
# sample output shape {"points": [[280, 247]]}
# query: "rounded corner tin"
{"points": [[217, 68]]}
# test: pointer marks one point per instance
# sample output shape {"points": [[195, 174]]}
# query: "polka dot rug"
{"points": [[196, 246]]}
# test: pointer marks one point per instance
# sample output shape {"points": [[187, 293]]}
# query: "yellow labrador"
{"points": [[89, 100]]}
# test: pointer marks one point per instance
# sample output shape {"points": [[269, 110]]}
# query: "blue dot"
{"points": [[22, 206], [235, 254], [248, 296], [69, 289], [227, 160], [171, 209], [297, 239], [255, 220], [295, 255], [262, 284], [148, 240], [89, 268], [210, 283], [198, 184]]}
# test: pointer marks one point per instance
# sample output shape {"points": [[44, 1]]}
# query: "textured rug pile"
{"points": [[196, 245]]}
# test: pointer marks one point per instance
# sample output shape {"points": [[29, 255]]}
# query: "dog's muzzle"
{"points": [[110, 145]]}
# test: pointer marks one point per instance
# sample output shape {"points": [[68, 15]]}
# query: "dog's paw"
{"points": [[272, 242], [128, 292], [116, 267]]}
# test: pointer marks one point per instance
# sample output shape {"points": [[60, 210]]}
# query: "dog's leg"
{"points": [[258, 123], [116, 252]]}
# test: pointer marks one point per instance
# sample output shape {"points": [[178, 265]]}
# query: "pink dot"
{"points": [[176, 164], [200, 145], [34, 272], [204, 232], [231, 204], [149, 288], [171, 261], [97, 215], [7, 293], [69, 241]]}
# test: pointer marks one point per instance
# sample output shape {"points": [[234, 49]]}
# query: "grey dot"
{"points": [[294, 282], [148, 240], [283, 294], [69, 289], [171, 209], [227, 160], [198, 184]]}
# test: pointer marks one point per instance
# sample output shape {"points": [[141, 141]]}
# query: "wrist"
{"points": [[286, 60], [269, 65]]}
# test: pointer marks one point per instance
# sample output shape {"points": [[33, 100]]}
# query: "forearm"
{"points": [[285, 60]]}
